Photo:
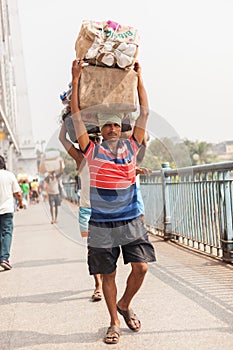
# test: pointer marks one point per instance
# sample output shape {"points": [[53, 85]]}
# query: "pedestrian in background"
{"points": [[34, 191], [9, 188], [84, 210], [25, 192], [52, 186]]}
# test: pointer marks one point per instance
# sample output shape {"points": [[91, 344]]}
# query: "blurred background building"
{"points": [[16, 138]]}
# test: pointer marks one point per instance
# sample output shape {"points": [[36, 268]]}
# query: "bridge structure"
{"points": [[16, 138], [185, 302], [191, 206]]}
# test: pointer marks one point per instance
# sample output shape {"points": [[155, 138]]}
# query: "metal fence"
{"points": [[69, 188], [192, 206]]}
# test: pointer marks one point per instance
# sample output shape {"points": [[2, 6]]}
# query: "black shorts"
{"points": [[130, 235], [54, 199], [35, 194]]}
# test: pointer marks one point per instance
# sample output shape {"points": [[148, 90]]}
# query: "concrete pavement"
{"points": [[186, 301]]}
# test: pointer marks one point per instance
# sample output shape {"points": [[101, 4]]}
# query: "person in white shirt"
{"points": [[9, 188]]}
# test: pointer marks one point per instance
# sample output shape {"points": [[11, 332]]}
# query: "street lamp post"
{"points": [[40, 151]]}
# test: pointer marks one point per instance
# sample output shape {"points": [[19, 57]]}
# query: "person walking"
{"points": [[25, 192], [9, 188], [84, 210], [115, 218], [52, 187], [35, 188]]}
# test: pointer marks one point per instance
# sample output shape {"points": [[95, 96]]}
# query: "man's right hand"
{"points": [[77, 68], [137, 67], [79, 126], [21, 206], [143, 171], [19, 198]]}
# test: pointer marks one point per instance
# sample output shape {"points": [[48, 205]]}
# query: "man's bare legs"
{"points": [[98, 282], [110, 294], [54, 213], [51, 212], [134, 283], [97, 295]]}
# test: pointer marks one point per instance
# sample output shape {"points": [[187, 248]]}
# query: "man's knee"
{"points": [[139, 268], [108, 277]]}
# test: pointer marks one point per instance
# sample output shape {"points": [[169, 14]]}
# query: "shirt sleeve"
{"points": [[89, 151], [134, 144]]}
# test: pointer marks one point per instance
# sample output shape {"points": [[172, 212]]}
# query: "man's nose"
{"points": [[114, 126]]}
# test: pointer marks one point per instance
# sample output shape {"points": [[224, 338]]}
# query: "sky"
{"points": [[185, 50]]}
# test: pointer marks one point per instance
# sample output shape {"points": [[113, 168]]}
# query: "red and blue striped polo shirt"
{"points": [[113, 193]]}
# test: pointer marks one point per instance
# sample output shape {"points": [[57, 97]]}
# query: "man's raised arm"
{"points": [[79, 126], [73, 152], [140, 125]]}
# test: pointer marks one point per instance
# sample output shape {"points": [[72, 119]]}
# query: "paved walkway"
{"points": [[186, 301]]}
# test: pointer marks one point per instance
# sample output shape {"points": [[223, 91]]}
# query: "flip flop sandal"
{"points": [[129, 315], [97, 296], [112, 336]]}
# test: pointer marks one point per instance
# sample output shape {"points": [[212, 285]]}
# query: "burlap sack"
{"points": [[89, 30], [108, 89], [94, 35]]}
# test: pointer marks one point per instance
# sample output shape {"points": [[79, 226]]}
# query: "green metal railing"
{"points": [[192, 206]]}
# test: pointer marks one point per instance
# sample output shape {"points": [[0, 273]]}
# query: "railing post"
{"points": [[227, 234], [166, 203]]}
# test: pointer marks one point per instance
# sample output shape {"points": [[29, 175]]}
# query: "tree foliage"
{"points": [[200, 152], [166, 150], [177, 153]]}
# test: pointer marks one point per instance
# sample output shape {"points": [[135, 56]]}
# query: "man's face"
{"points": [[111, 131]]}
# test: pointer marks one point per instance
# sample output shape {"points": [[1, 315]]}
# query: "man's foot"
{"points": [[52, 222], [6, 265], [112, 336], [97, 295], [131, 319]]}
